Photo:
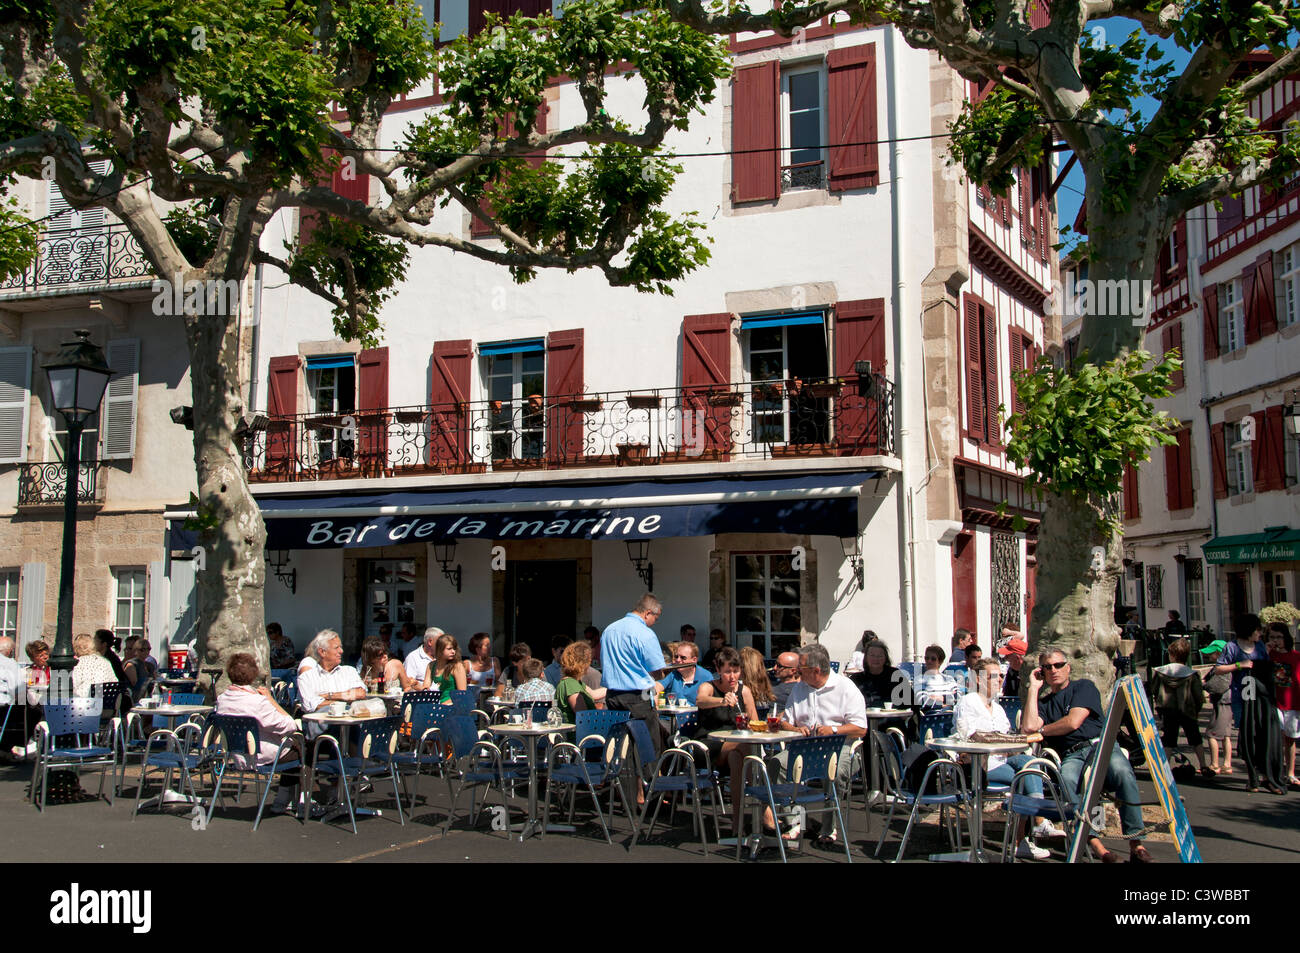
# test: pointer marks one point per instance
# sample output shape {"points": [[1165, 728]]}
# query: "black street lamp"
{"points": [[78, 376]]}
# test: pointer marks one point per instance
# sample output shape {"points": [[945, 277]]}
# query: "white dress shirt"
{"points": [[12, 680], [315, 683], [974, 714], [836, 703], [417, 663]]}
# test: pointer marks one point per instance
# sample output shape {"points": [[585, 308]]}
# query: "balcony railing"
{"points": [[45, 483], [803, 175], [83, 257], [752, 421]]}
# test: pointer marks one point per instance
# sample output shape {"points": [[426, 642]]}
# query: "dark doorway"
{"points": [[541, 602], [1238, 598]]}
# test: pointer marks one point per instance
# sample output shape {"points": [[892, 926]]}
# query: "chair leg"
{"points": [[843, 827], [907, 831], [600, 816], [261, 804], [397, 797], [217, 781], [451, 812]]}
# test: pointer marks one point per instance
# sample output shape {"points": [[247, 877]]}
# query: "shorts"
{"points": [[1220, 719], [1290, 722], [1173, 720]]}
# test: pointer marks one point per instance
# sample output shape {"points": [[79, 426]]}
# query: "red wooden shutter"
{"points": [[1264, 301], [345, 181], [449, 422], [1269, 450], [1039, 15], [1041, 182], [755, 114], [1024, 206], [964, 610], [372, 410], [855, 162], [1174, 339], [991, 374], [282, 407], [1210, 321], [1180, 244], [1017, 364], [506, 130], [706, 369], [1185, 492], [1219, 462], [564, 382], [974, 373], [859, 336], [1131, 509]]}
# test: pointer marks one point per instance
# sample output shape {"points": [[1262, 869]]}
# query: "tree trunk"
{"points": [[1074, 611], [231, 580], [1123, 249]]}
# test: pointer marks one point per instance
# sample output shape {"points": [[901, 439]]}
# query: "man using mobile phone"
{"points": [[1069, 718]]}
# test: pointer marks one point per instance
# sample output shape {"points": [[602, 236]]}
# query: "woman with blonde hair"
{"points": [[447, 671], [572, 694], [91, 669], [754, 675]]}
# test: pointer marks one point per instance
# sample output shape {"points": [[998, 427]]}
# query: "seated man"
{"points": [[554, 671], [419, 662], [1069, 718], [329, 680], [823, 703], [685, 682], [785, 676], [536, 687], [13, 688]]}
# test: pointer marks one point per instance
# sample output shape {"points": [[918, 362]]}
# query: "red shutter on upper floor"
{"points": [[964, 606], [1173, 497], [1263, 299], [1039, 14], [1178, 472], [854, 154], [1219, 462], [755, 139], [990, 322], [1040, 182], [564, 382], [1269, 450], [1017, 364], [1131, 509], [1175, 332], [859, 336], [1210, 321], [345, 180], [1180, 243], [448, 399], [372, 406], [706, 369], [974, 372], [506, 129], [282, 406]]}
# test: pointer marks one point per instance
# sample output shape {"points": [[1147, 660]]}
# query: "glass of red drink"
{"points": [[774, 723], [741, 722]]}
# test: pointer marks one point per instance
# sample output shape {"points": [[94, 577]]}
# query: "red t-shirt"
{"points": [[1286, 679]]}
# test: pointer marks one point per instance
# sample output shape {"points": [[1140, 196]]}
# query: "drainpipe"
{"points": [[257, 337], [1196, 291], [905, 569]]}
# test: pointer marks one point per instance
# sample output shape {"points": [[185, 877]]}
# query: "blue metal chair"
{"points": [[378, 745], [936, 724], [183, 751], [949, 779], [912, 669], [567, 766], [835, 667], [427, 745], [420, 697], [596, 723], [808, 759], [464, 701], [287, 758], [478, 763], [1012, 705], [683, 770], [187, 698], [233, 742], [1052, 804], [69, 737]]}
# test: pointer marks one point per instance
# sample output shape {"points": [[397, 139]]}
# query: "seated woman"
{"points": [[139, 671], [273, 722], [38, 674], [283, 654], [879, 681], [535, 687], [720, 702], [753, 675], [933, 688], [91, 670], [978, 710], [484, 670], [378, 665], [518, 652], [446, 673], [572, 694]]}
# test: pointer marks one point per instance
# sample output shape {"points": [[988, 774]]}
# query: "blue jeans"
{"points": [[1119, 778], [1004, 773]]}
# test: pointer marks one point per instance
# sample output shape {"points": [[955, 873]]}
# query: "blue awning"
{"points": [[330, 360], [527, 346], [816, 504], [781, 320]]}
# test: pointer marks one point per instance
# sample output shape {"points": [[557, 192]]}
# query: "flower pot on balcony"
{"points": [[726, 399], [632, 453], [588, 405], [643, 401], [824, 389]]}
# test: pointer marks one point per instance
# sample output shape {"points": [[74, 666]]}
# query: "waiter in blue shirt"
{"points": [[632, 658]]}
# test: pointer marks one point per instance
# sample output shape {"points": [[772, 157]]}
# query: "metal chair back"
{"points": [[424, 696], [461, 732], [463, 701], [77, 718], [236, 735], [187, 698], [380, 737], [936, 724], [1012, 705], [813, 758], [599, 723]]}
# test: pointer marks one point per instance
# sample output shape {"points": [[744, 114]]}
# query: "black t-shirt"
{"points": [[890, 685], [1080, 693], [1011, 682]]}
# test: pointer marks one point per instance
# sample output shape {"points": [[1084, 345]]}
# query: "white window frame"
{"points": [[133, 601], [1278, 582], [324, 400], [1287, 269], [1233, 310], [494, 367], [1291, 465], [9, 619], [786, 410], [1194, 589], [1239, 461], [763, 641], [787, 147]]}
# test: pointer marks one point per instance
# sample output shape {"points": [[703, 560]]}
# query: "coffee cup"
{"points": [[338, 708]]}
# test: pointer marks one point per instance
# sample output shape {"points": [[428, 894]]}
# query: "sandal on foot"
{"points": [[1208, 773], [1140, 855]]}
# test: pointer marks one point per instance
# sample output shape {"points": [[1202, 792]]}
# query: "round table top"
{"points": [[344, 719], [677, 710], [959, 746], [889, 713], [536, 728], [174, 711], [502, 702], [755, 737], [178, 681]]}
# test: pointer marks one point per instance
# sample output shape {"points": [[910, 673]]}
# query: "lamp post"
{"points": [[78, 376]]}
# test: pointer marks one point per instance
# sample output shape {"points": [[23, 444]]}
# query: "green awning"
{"points": [[1273, 544]]}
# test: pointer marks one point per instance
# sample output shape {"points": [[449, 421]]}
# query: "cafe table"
{"points": [[881, 716], [979, 753], [531, 732], [673, 713], [171, 712], [327, 720], [749, 739]]}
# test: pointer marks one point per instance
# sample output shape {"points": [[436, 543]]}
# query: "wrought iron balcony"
{"points": [[43, 484], [92, 256], [803, 175], [752, 421]]}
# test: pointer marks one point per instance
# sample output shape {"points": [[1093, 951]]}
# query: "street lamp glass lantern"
{"points": [[78, 377]]}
